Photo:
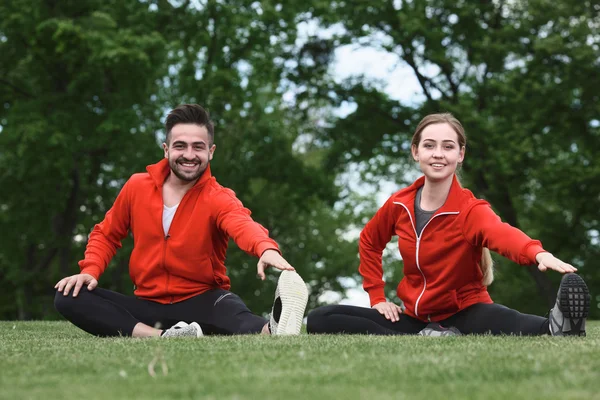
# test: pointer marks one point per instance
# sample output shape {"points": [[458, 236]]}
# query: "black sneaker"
{"points": [[567, 318]]}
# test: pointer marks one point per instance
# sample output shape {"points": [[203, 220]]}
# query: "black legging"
{"points": [[477, 319], [102, 312]]}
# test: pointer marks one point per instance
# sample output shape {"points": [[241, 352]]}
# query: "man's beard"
{"points": [[185, 175]]}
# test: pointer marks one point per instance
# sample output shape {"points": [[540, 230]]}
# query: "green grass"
{"points": [[54, 360]]}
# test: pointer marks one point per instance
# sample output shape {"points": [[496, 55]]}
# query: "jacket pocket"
{"points": [[443, 302], [195, 270], [470, 291]]}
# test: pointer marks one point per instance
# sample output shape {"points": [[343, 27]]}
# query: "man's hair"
{"points": [[190, 114]]}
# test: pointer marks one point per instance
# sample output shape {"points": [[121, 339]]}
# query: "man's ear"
{"points": [[166, 150], [211, 152]]}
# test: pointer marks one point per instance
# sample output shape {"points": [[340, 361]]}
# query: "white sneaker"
{"points": [[182, 329], [436, 329], [291, 297]]}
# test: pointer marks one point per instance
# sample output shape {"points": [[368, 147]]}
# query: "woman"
{"points": [[444, 233]]}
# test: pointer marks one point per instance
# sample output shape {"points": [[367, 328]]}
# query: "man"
{"points": [[181, 220]]}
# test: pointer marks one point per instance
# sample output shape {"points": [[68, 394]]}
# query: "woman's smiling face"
{"points": [[438, 152]]}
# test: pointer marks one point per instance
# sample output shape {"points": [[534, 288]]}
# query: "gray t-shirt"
{"points": [[421, 217]]}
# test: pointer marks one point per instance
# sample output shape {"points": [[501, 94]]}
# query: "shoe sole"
{"points": [[198, 329], [294, 296], [574, 302]]}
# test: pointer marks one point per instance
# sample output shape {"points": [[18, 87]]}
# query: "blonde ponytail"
{"points": [[487, 267], [487, 263]]}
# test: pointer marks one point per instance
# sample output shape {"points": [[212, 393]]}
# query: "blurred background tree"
{"points": [[85, 86], [522, 76]]}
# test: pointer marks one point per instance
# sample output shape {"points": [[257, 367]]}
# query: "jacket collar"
{"points": [[454, 203], [161, 170]]}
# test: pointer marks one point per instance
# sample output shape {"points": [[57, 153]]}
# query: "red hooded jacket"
{"points": [[191, 258], [442, 273]]}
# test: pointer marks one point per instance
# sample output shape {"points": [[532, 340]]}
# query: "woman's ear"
{"points": [[462, 155], [415, 154]]}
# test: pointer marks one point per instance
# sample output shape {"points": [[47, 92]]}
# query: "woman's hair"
{"points": [[487, 267], [487, 264], [444, 118]]}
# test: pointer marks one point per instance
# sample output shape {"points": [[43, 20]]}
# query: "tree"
{"points": [[84, 86], [69, 105], [522, 77]]}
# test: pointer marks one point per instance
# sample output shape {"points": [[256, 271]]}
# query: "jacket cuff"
{"points": [[377, 295], [533, 250], [264, 246], [92, 270]]}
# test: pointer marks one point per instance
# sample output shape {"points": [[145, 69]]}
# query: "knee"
{"points": [[321, 312], [65, 304], [317, 317]]}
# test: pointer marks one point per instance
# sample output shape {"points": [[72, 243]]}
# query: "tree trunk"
{"points": [[24, 297], [65, 266], [544, 285]]}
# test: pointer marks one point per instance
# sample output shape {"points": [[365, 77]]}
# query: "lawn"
{"points": [[54, 360]]}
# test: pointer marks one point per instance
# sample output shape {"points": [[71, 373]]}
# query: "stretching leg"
{"points": [[497, 319], [217, 311], [359, 320]]}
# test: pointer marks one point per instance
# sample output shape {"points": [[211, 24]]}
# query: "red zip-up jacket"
{"points": [[442, 273], [191, 258]]}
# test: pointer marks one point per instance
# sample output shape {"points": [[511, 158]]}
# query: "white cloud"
{"points": [[395, 77]]}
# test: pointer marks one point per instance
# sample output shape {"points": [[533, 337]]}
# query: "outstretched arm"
{"points": [[483, 227], [234, 219]]}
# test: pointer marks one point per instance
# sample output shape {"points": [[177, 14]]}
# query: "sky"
{"points": [[399, 81]]}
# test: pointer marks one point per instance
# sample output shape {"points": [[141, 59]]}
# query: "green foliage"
{"points": [[74, 124], [84, 87], [522, 77]]}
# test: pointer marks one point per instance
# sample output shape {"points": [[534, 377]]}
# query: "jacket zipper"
{"points": [[167, 236], [417, 252]]}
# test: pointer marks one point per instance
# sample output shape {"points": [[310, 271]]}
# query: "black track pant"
{"points": [[102, 312], [476, 319]]}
